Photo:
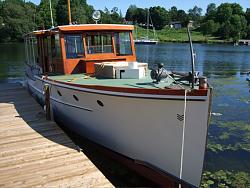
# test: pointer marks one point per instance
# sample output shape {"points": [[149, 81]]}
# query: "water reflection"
{"points": [[12, 58]]}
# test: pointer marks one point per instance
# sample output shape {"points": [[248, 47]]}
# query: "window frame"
{"points": [[130, 43], [83, 54], [87, 34]]}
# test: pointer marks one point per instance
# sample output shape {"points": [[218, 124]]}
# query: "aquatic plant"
{"points": [[229, 136], [225, 179]]}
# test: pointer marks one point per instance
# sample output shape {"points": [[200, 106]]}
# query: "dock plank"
{"points": [[36, 152]]}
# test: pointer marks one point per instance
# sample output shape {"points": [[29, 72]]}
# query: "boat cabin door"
{"points": [[45, 54]]}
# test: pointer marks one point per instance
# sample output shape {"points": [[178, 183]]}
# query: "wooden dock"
{"points": [[35, 152]]}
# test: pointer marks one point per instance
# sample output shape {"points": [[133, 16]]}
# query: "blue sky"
{"points": [[180, 4]]}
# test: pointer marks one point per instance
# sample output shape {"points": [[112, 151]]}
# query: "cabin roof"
{"points": [[99, 27], [85, 27]]}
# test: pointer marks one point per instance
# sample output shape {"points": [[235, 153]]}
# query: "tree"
{"points": [[237, 9], [112, 16], [160, 16], [17, 19], [183, 17], [209, 27], [247, 15], [248, 31], [141, 16], [195, 14], [211, 12], [131, 13], [173, 13], [43, 17], [224, 13], [81, 12]]}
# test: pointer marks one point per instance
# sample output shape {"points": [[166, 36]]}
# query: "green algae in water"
{"points": [[230, 179], [230, 136]]}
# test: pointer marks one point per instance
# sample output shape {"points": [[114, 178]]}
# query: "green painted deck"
{"points": [[144, 83]]}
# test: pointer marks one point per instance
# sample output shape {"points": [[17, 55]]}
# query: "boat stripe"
{"points": [[71, 105]]}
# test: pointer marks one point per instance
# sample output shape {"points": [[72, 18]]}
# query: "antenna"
{"points": [[192, 55], [51, 15], [96, 16]]}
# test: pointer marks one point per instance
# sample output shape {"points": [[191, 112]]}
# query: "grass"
{"points": [[176, 35]]}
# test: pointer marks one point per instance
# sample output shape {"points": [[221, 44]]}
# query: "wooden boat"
{"points": [[98, 90]]}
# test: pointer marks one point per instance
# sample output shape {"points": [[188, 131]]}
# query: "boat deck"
{"points": [[36, 152], [144, 83]]}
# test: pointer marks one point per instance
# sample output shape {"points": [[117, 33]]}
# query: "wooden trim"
{"points": [[96, 27], [132, 43], [84, 45], [113, 44], [63, 52], [177, 92]]}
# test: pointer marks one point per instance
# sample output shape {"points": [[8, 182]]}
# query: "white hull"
{"points": [[140, 127]]}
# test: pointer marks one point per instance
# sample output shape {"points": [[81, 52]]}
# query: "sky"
{"points": [[180, 4]]}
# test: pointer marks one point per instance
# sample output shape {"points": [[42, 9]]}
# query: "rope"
{"points": [[183, 134]]}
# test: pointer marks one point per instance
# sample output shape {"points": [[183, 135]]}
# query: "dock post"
{"points": [[47, 101]]}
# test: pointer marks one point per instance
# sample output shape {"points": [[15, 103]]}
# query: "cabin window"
{"points": [[99, 43], [123, 43], [73, 46], [31, 50], [57, 51]]}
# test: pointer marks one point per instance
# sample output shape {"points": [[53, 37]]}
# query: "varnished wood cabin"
{"points": [[75, 48]]}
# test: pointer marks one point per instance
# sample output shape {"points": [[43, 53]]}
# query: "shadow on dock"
{"points": [[28, 110]]}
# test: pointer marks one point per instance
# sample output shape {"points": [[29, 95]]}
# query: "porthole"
{"points": [[59, 93], [100, 103], [75, 97]]}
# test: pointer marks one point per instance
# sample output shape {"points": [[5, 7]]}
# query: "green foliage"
{"points": [[131, 14], [195, 14], [228, 21], [43, 16], [247, 15], [80, 12], [17, 18], [225, 179], [209, 27], [160, 17], [109, 17]]}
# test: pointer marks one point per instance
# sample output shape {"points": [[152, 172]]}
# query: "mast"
{"points": [[192, 55], [69, 13], [51, 15], [147, 23]]}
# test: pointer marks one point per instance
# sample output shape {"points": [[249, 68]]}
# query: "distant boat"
{"points": [[147, 40]]}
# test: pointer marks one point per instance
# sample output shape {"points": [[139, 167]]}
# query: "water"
{"points": [[224, 65], [12, 58]]}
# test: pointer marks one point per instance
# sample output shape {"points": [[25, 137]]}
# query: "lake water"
{"points": [[224, 65]]}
